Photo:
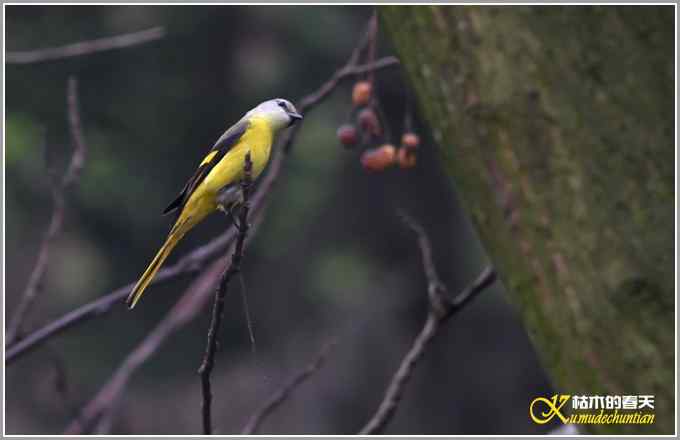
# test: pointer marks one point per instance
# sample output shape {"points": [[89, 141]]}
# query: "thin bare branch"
{"points": [[205, 370], [198, 257], [349, 70], [436, 289], [85, 47], [440, 310], [70, 177], [283, 393]]}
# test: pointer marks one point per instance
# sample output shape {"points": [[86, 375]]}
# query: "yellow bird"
{"points": [[215, 184]]}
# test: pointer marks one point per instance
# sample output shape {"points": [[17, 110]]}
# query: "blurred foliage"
{"points": [[331, 259]]}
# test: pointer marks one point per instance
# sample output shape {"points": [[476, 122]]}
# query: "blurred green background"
{"points": [[330, 260]]}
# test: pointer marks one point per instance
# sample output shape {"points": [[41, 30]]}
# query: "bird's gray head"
{"points": [[279, 112]]}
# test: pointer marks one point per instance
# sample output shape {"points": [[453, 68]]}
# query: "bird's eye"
{"points": [[283, 105]]}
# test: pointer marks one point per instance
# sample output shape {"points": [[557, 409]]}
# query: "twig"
{"points": [[85, 47], [196, 258], [205, 370], [440, 310], [285, 392], [70, 177], [349, 70]]}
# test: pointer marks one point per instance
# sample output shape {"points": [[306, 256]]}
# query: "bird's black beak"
{"points": [[294, 117]]}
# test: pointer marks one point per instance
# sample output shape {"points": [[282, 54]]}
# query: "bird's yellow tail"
{"points": [[174, 237]]}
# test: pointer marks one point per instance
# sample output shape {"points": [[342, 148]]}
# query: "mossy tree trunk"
{"points": [[556, 125]]}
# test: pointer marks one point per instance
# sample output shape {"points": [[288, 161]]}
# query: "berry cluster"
{"points": [[370, 129]]}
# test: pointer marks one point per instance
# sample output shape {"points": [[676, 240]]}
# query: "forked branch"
{"points": [[441, 308], [59, 187]]}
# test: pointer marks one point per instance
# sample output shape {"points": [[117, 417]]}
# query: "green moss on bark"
{"points": [[556, 124]]}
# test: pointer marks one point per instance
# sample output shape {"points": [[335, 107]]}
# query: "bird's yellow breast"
{"points": [[258, 140]]}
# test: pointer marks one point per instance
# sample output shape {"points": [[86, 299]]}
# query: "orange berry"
{"points": [[406, 158], [410, 140], [361, 93], [379, 158], [369, 122], [347, 134]]}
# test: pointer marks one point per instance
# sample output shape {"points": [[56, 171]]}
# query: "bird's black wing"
{"points": [[216, 153]]}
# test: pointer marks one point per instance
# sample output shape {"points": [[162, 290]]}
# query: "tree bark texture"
{"points": [[557, 126]]}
